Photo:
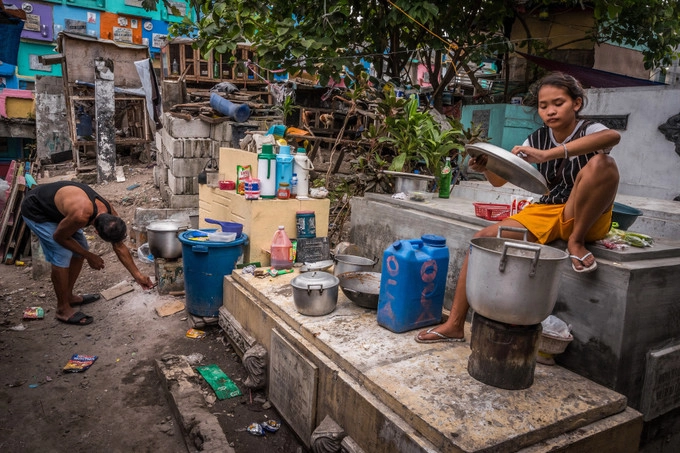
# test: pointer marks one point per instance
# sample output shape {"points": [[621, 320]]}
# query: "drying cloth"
{"points": [[10, 33]]}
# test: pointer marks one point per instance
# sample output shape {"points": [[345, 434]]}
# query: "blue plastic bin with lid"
{"points": [[413, 283], [205, 264]]}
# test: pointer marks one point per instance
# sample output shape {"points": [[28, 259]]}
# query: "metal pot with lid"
{"points": [[315, 293], [511, 281], [162, 238]]}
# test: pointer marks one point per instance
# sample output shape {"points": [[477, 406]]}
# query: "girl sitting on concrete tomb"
{"points": [[573, 156]]}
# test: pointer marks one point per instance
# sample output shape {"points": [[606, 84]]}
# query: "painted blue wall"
{"points": [[151, 28], [8, 76], [61, 13], [507, 125]]}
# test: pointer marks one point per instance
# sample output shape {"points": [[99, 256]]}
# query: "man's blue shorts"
{"points": [[55, 253]]}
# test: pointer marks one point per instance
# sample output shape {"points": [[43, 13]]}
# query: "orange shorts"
{"points": [[546, 222]]}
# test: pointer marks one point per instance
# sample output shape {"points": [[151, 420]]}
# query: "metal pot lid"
{"points": [[317, 280], [409, 175], [513, 169], [317, 266], [353, 259], [165, 225]]}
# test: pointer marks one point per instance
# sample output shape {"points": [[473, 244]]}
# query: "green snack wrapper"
{"points": [[223, 386]]}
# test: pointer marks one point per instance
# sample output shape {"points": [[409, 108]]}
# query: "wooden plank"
{"points": [[9, 253], [9, 208], [184, 116], [210, 120], [117, 290], [21, 240], [51, 59]]}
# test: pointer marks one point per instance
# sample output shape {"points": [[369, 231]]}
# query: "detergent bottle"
{"points": [[281, 250]]}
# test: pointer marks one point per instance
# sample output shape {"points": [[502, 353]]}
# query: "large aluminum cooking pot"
{"points": [[162, 238], [511, 281], [315, 293], [362, 288], [352, 263]]}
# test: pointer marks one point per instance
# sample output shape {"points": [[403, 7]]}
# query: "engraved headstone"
{"points": [[661, 389], [293, 386]]}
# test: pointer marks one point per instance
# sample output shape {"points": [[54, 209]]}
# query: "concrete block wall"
{"points": [[184, 149]]}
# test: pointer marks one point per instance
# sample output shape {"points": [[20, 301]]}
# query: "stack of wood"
{"points": [[202, 109], [14, 234]]}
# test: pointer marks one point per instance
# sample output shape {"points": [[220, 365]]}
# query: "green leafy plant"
{"points": [[416, 138], [287, 107]]}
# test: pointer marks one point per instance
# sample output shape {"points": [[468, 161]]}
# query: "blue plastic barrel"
{"points": [[413, 283], [205, 265], [238, 112]]}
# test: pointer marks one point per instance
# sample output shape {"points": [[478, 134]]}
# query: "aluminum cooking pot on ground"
{"points": [[511, 281], [162, 238], [315, 293], [352, 263]]}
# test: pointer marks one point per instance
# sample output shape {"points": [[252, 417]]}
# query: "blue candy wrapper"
{"points": [[255, 429], [271, 425]]}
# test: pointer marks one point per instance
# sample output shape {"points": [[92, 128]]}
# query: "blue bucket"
{"points": [[625, 215], [205, 265]]}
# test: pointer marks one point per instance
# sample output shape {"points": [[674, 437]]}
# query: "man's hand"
{"points": [[144, 281], [95, 261]]}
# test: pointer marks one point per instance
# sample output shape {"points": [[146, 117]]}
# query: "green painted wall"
{"points": [[29, 66]]}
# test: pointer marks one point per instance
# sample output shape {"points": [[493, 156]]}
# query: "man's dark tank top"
{"points": [[39, 206]]}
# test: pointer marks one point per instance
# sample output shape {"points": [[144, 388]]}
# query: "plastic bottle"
{"points": [[284, 166], [301, 168], [293, 186], [284, 191], [266, 171], [445, 179], [252, 189], [282, 250], [175, 67]]}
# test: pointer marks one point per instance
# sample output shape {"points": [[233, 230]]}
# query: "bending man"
{"points": [[56, 213]]}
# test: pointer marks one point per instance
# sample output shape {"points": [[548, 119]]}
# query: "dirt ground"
{"points": [[117, 405]]}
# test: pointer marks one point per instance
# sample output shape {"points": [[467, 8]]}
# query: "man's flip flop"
{"points": [[87, 299], [79, 319], [441, 337], [585, 268]]}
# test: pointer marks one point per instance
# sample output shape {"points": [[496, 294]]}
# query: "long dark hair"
{"points": [[561, 80]]}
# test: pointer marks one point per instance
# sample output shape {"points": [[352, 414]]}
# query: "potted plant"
{"points": [[417, 141]]}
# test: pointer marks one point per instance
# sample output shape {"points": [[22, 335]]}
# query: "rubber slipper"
{"points": [[87, 299], [585, 268], [77, 319], [441, 337]]}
